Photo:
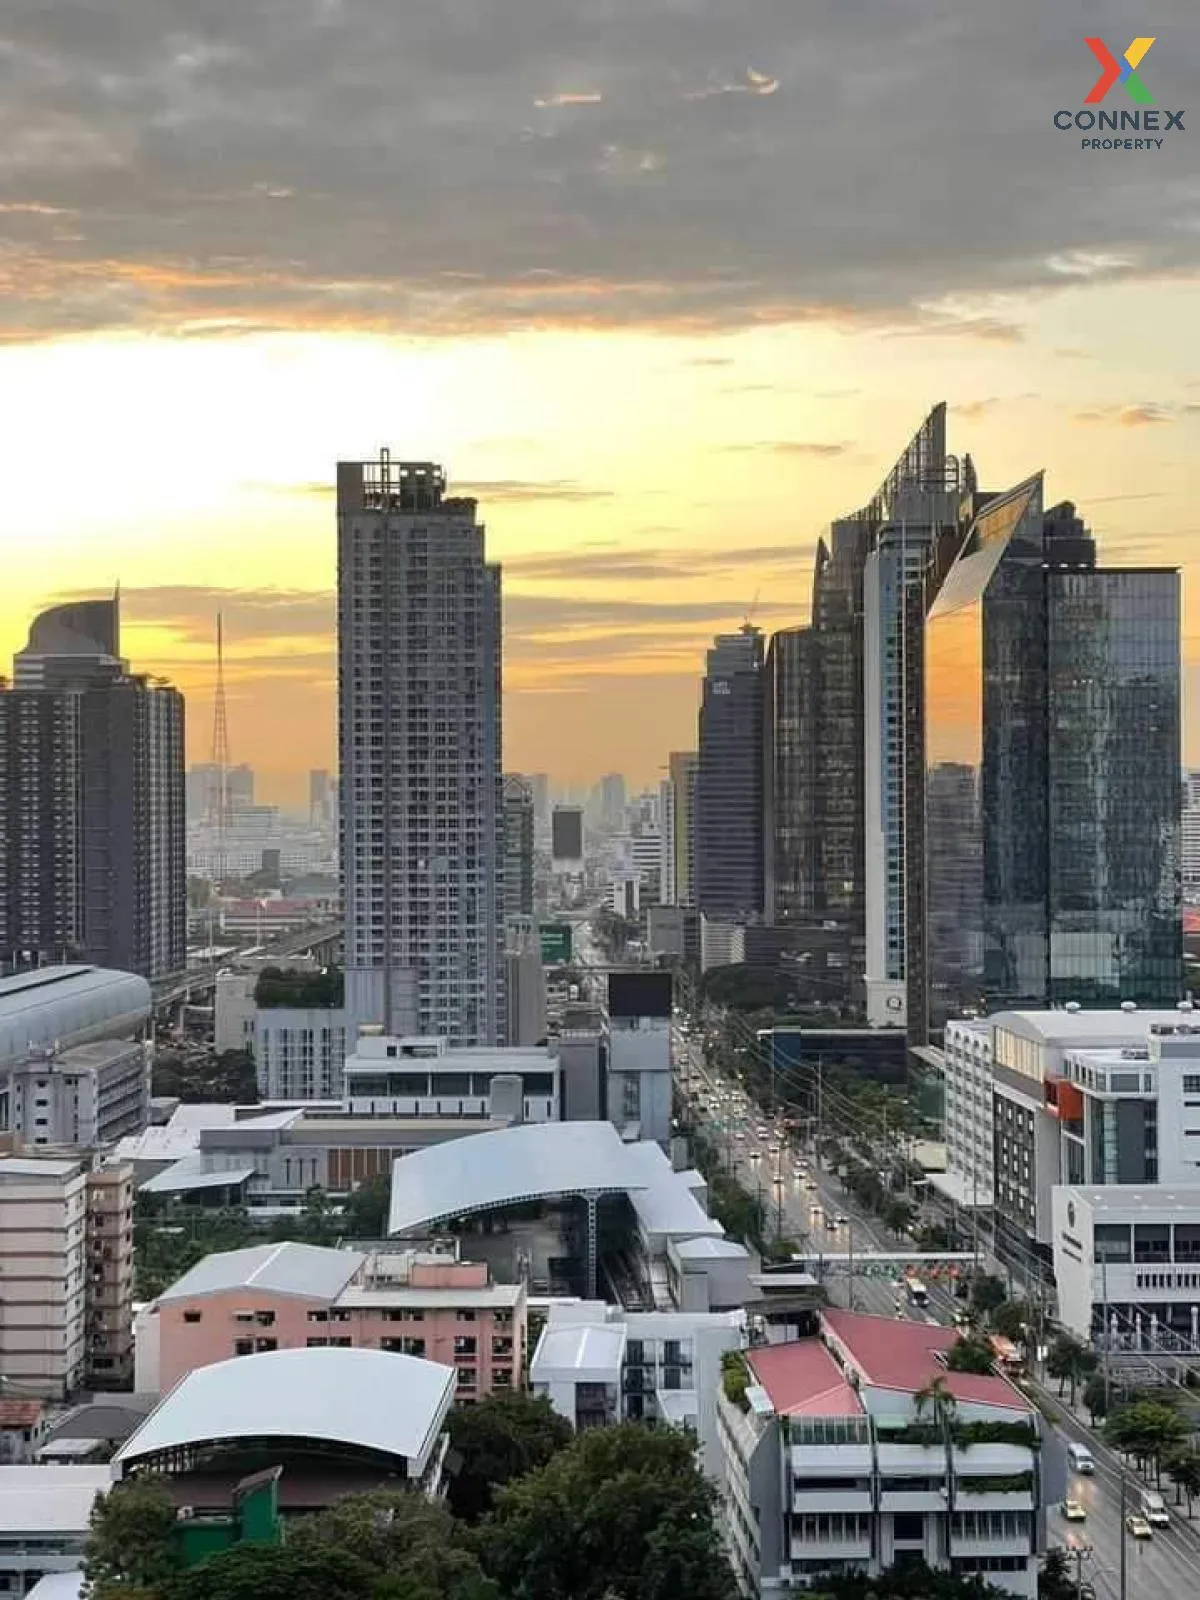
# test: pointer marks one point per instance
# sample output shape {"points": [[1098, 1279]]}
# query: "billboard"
{"points": [[639, 994], [557, 939]]}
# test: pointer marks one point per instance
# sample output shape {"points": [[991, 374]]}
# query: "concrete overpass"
{"points": [[321, 941]]}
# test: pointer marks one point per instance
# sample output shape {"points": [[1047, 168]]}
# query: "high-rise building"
{"points": [[668, 892], [322, 798], [419, 655], [1191, 835], [566, 834], [1056, 685], [917, 505], [792, 836], [682, 766], [518, 847], [92, 802], [239, 787], [612, 801], [729, 858]]}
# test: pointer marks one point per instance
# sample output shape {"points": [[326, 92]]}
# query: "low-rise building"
{"points": [[43, 1255], [296, 1297], [63, 1007], [332, 1421], [44, 1517], [857, 1450], [601, 1364], [88, 1096], [418, 1077], [1127, 1264]]}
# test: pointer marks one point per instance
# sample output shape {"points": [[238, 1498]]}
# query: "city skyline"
{"points": [[654, 443]]}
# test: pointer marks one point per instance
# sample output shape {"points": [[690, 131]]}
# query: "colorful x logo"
{"points": [[1126, 70]]}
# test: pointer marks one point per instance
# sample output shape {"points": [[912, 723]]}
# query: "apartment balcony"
{"points": [[808, 1502], [833, 1547]]}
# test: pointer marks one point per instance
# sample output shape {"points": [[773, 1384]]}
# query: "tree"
{"points": [[935, 1400], [1070, 1362], [415, 1542], [298, 1570], [987, 1293], [365, 1212], [1147, 1430], [1012, 1320], [972, 1354], [501, 1438], [1182, 1466], [1095, 1397], [898, 1215], [317, 1215], [624, 1509], [1055, 1580], [131, 1539]]}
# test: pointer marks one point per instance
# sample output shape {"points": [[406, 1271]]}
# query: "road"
{"points": [[1164, 1567]]}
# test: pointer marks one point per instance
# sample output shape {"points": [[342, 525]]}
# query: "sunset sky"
{"points": [[666, 284]]}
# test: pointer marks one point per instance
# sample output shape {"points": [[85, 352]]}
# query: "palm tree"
{"points": [[936, 1400]]}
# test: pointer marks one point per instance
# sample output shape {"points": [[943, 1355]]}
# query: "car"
{"points": [[1138, 1527], [811, 1186], [843, 1222], [739, 1134], [798, 1172], [1073, 1512]]}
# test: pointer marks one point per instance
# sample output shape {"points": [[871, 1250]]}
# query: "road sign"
{"points": [[557, 939]]}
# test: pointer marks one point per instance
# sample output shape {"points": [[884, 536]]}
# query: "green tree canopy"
{"points": [[501, 1438], [1070, 1362], [1147, 1430], [297, 1570], [622, 1509], [972, 1354], [308, 991], [1012, 1319], [131, 1537], [365, 1213]]}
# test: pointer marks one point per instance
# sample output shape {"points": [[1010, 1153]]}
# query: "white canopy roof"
{"points": [[372, 1399]]}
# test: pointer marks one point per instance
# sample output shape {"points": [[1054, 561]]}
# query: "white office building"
{"points": [[599, 1364], [299, 1052], [419, 648], [1127, 1264]]}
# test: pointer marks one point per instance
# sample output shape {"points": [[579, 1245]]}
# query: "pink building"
{"points": [[300, 1296]]}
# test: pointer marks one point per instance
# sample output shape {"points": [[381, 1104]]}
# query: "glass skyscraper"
{"points": [[1052, 739], [730, 775]]}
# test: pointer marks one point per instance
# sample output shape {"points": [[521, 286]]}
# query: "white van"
{"points": [[1154, 1509], [1080, 1459]]}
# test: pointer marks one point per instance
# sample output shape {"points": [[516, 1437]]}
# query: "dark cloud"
{"points": [[440, 168]]}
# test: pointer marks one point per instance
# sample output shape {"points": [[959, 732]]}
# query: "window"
{"points": [[191, 1316], [1191, 1083], [464, 1346], [265, 1319], [464, 1316], [243, 1347]]}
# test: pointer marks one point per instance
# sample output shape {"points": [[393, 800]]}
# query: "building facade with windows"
{"points": [[1056, 683], [836, 1463], [295, 1297], [43, 1264], [299, 1052], [87, 1096], [730, 814], [422, 825], [427, 1077], [599, 1364]]}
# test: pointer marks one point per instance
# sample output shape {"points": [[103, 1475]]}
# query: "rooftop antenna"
{"points": [[748, 624], [218, 806]]}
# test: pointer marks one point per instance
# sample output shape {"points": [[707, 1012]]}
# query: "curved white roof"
{"points": [[485, 1171], [68, 1005], [371, 1399]]}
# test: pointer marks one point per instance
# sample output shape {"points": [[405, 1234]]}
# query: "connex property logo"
{"points": [[1123, 70]]}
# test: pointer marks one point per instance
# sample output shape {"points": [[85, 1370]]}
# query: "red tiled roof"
{"points": [[20, 1413], [892, 1353], [803, 1379]]}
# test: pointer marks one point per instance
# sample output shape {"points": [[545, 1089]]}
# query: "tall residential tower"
{"points": [[730, 815], [419, 714]]}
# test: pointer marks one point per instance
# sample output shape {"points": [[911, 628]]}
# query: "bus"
{"points": [[918, 1294]]}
